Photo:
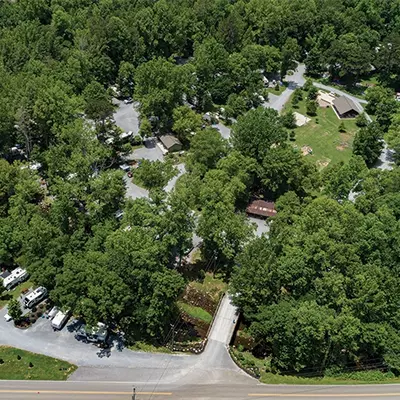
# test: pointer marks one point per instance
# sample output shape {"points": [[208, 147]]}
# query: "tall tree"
{"points": [[368, 143], [257, 131]]}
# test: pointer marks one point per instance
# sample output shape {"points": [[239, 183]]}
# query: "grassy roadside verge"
{"points": [[32, 366], [249, 362], [149, 348]]}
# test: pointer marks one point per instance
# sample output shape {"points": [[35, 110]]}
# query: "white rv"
{"points": [[17, 276], [35, 297], [59, 320]]}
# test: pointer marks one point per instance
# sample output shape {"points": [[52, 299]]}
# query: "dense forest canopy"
{"points": [[323, 288]]}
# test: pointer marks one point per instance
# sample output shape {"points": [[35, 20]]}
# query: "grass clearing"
{"points": [[14, 294], [211, 285], [359, 378], [195, 312], [329, 146], [276, 92], [43, 367], [149, 348]]}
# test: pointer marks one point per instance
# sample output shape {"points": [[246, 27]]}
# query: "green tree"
{"points": [[350, 56], [14, 310], [284, 169], [98, 104], [290, 54], [312, 93], [235, 106], [298, 331], [207, 148], [159, 87], [339, 179], [210, 60], [154, 174], [361, 120], [186, 122], [368, 143], [374, 96], [126, 79], [311, 107], [255, 132], [146, 129], [289, 120]]}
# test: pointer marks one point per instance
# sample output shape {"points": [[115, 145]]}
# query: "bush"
{"points": [[277, 87], [30, 364], [311, 107], [361, 120], [289, 120], [341, 127], [292, 136], [308, 85], [312, 93]]}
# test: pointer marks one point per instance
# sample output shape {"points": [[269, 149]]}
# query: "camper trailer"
{"points": [[59, 320], [35, 297], [15, 278]]}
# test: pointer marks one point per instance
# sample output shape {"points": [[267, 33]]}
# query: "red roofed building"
{"points": [[261, 209]]}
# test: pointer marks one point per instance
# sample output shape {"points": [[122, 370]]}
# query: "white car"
{"points": [[7, 317]]}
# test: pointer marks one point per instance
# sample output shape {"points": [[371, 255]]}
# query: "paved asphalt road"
{"points": [[26, 390], [294, 81]]}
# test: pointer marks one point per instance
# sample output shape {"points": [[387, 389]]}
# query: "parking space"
{"points": [[126, 116]]}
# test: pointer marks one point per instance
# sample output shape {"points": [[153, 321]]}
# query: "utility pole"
{"points": [[134, 393]]}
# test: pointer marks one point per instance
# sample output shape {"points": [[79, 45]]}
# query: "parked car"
{"points": [[52, 313], [125, 167], [7, 317], [96, 334], [59, 320]]}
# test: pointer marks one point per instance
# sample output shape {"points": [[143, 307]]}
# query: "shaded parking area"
{"points": [[126, 116]]}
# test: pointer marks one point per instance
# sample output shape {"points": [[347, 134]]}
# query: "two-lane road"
{"points": [[27, 390]]}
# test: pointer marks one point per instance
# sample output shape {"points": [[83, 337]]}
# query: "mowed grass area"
{"points": [[195, 312], [149, 348], [14, 294], [43, 367], [276, 92], [322, 134]]}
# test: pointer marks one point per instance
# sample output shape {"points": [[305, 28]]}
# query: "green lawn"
{"points": [[358, 378], [195, 312], [43, 367], [322, 135], [13, 294], [149, 348], [277, 92]]}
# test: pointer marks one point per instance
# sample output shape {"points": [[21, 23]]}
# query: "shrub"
{"points": [[311, 107], [292, 136]]}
